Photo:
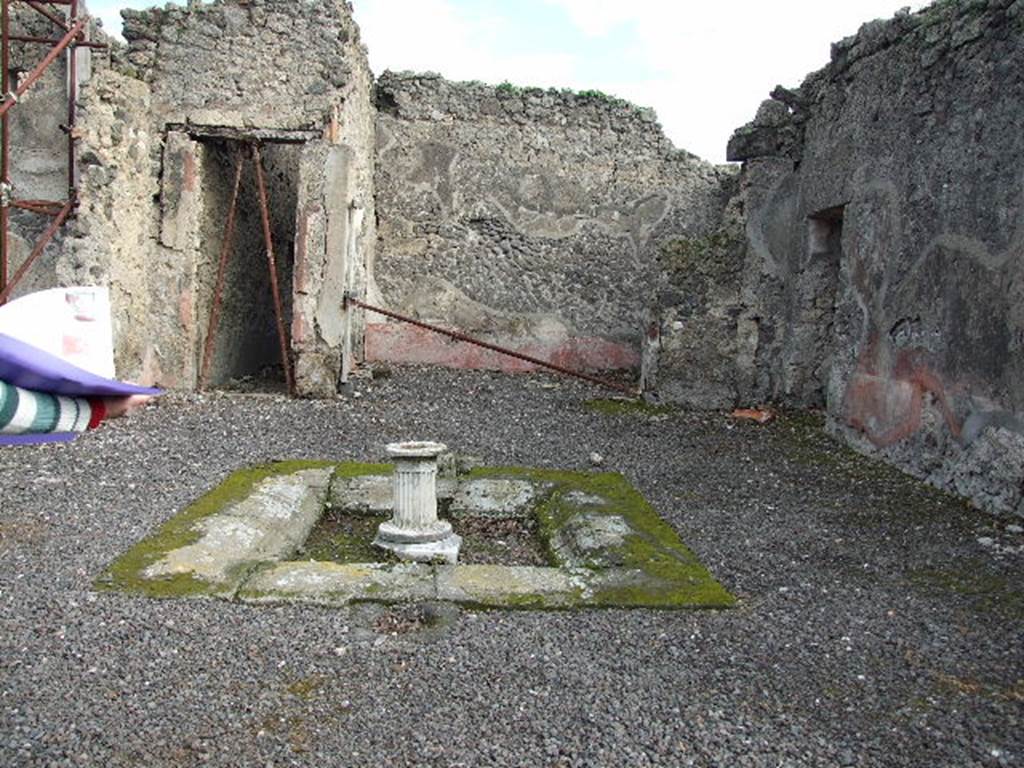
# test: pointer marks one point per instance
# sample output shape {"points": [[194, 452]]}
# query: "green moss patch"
{"points": [[974, 581], [508, 89], [127, 572], [703, 254], [649, 567], [307, 686], [348, 469], [625, 407], [910, 502], [954, 685], [342, 538]]}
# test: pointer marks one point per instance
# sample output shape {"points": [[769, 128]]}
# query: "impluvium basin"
{"points": [[246, 540]]}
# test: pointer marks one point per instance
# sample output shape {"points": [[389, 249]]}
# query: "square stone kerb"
{"points": [[610, 546]]}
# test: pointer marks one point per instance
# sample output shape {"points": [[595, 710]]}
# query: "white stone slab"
{"points": [[269, 524], [496, 497], [338, 584]]}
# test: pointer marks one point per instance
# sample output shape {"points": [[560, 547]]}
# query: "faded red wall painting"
{"points": [[886, 394]]}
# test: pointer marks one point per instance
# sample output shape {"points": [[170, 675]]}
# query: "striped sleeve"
{"points": [[25, 411]]}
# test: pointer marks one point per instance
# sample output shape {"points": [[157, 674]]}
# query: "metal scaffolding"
{"points": [[69, 35]]}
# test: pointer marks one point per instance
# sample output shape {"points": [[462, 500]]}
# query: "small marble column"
{"points": [[414, 532]]}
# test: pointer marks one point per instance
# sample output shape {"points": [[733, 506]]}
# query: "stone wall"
{"points": [[867, 259], [161, 130], [531, 218], [113, 239], [699, 346], [885, 245]]}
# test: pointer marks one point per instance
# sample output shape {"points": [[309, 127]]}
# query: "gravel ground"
{"points": [[874, 628]]}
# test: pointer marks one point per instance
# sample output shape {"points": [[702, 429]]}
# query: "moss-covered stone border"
{"points": [[127, 573], [651, 568], [608, 546]]}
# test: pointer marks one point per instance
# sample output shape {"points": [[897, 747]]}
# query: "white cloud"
{"points": [[435, 36], [705, 67], [598, 18]]}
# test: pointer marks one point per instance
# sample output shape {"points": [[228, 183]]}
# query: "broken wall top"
{"points": [[246, 63], [430, 97], [536, 214], [927, 41]]}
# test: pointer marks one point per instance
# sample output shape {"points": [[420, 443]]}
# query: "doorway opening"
{"points": [[245, 340], [819, 292]]}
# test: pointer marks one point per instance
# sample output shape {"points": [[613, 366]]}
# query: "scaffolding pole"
{"points": [[72, 37]]}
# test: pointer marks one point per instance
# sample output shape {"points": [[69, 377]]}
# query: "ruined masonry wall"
{"points": [[224, 65], [238, 63], [342, 215], [112, 241], [532, 218], [868, 259], [885, 227]]}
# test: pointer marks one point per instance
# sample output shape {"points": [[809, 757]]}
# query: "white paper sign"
{"points": [[70, 323]]}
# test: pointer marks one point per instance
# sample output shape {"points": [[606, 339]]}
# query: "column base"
{"points": [[437, 530], [444, 550]]}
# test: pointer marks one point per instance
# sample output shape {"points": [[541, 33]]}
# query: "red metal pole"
{"points": [[44, 207], [493, 347], [218, 291], [49, 14], [36, 73], [72, 102], [54, 41], [37, 251], [5, 149], [261, 184]]}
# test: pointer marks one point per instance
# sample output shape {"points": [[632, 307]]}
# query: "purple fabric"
{"points": [[29, 368], [25, 366], [39, 438]]}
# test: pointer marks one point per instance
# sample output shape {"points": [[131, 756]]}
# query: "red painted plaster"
{"points": [[189, 171], [395, 343], [186, 309], [301, 331], [886, 393], [300, 269]]}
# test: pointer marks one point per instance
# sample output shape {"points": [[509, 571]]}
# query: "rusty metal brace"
{"points": [[350, 299]]}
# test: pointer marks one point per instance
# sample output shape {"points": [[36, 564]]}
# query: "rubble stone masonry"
{"points": [[867, 260]]}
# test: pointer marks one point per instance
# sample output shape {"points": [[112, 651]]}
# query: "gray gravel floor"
{"points": [[874, 628]]}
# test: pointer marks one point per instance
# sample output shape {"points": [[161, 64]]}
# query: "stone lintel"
{"points": [[281, 135]]}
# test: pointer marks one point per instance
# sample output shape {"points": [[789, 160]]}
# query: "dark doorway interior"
{"points": [[819, 290], [246, 352]]}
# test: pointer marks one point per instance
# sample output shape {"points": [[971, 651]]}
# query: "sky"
{"points": [[704, 67]]}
